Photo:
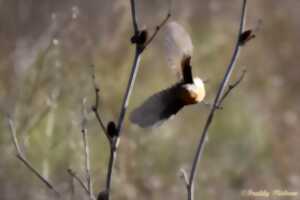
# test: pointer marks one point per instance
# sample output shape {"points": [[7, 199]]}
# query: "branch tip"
{"points": [[158, 27], [184, 176]]}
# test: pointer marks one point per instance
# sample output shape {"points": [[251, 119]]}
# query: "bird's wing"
{"points": [[158, 108], [177, 45]]}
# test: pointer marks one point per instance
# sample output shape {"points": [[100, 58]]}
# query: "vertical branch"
{"points": [[114, 131], [48, 136], [113, 140], [86, 153], [129, 88], [133, 15], [72, 188], [223, 84], [112, 157], [87, 163], [134, 68]]}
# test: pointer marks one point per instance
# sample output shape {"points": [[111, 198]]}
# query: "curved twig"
{"points": [[95, 108], [200, 147], [21, 156], [157, 30]]}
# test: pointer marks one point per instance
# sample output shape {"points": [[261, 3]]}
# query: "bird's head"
{"points": [[193, 93]]}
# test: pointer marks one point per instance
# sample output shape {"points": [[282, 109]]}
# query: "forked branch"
{"points": [[231, 87], [114, 130], [157, 30], [217, 100], [78, 179], [95, 108]]}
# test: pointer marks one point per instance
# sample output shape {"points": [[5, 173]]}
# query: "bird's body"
{"points": [[188, 90]]}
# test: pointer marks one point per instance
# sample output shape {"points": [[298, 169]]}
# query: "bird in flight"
{"points": [[187, 90]]}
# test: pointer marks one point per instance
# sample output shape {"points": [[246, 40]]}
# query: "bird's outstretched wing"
{"points": [[177, 45], [158, 108]]}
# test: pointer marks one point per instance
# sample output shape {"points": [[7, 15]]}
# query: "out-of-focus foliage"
{"points": [[47, 48]]}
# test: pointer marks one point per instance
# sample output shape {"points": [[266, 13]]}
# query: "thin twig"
{"points": [[87, 163], [134, 70], [184, 176], [95, 108], [72, 187], [200, 147], [20, 155], [231, 87], [129, 88], [157, 30], [86, 153], [81, 183]]}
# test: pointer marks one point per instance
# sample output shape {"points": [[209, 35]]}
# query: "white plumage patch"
{"points": [[195, 92]]}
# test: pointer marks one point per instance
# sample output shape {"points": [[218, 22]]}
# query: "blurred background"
{"points": [[48, 47]]}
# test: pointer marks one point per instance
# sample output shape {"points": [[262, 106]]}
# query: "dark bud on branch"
{"points": [[246, 36], [140, 38], [103, 195], [94, 109], [112, 130]]}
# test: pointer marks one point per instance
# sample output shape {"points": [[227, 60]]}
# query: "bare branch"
{"points": [[86, 152], [95, 108], [129, 88], [134, 69], [81, 183], [157, 30], [140, 47], [20, 155], [200, 147], [72, 187], [114, 135], [231, 87], [112, 157]]}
